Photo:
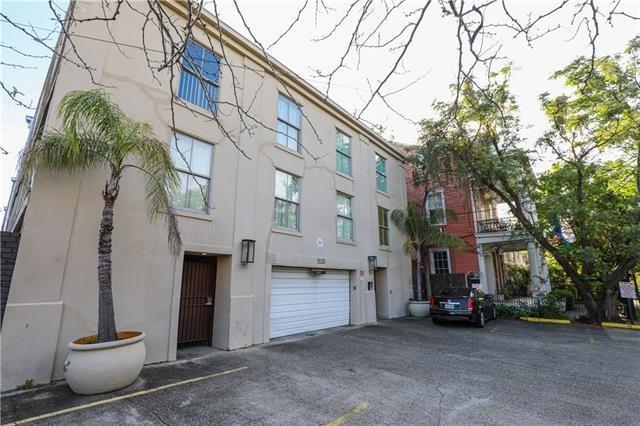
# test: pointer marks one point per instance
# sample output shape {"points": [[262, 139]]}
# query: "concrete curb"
{"points": [[547, 320], [562, 321], [620, 325]]}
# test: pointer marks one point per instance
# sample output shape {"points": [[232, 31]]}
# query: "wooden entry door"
{"points": [[195, 322]]}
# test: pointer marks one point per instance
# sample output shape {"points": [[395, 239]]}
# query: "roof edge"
{"points": [[286, 73]]}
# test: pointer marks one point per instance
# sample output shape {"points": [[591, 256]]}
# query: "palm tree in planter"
{"points": [[420, 232], [96, 134]]}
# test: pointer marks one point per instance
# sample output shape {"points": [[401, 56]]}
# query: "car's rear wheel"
{"points": [[480, 320]]}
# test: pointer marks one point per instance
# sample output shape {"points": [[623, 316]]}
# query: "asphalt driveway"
{"points": [[395, 372]]}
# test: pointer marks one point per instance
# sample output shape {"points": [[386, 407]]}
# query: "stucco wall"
{"points": [[54, 295]]}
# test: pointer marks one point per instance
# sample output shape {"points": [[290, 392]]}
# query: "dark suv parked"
{"points": [[463, 304]]}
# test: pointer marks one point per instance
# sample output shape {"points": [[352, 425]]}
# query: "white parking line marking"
{"points": [[126, 396]]}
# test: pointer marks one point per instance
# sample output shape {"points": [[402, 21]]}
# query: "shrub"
{"points": [[547, 306], [518, 281], [506, 311]]}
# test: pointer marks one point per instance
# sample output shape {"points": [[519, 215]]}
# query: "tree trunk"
{"points": [[427, 284], [583, 290], [604, 310], [106, 316], [419, 273], [581, 286], [609, 309], [427, 280]]}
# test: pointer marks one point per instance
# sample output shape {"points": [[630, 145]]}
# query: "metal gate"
{"points": [[195, 321], [439, 282]]}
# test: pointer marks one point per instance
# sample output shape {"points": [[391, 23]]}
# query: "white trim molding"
{"points": [[439, 191], [431, 261]]}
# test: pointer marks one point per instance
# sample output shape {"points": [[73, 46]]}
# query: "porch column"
{"points": [[538, 270], [482, 268], [491, 286]]}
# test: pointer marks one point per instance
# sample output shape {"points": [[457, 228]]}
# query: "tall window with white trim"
{"points": [[288, 123], [381, 173], [343, 153], [435, 208], [345, 218], [287, 201], [440, 262], [192, 158], [383, 226]]}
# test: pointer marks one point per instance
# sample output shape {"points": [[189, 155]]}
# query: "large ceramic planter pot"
{"points": [[104, 367], [419, 309]]}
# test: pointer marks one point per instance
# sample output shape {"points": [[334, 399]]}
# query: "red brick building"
{"points": [[475, 218], [457, 200]]}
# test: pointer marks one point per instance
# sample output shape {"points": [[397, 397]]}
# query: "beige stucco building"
{"points": [[294, 206]]}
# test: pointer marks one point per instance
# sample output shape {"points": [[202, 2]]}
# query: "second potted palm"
{"points": [[420, 232]]}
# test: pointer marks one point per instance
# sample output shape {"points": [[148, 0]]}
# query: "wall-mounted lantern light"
{"points": [[248, 251], [373, 263]]}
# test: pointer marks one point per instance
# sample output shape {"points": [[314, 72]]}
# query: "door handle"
{"points": [[209, 301]]}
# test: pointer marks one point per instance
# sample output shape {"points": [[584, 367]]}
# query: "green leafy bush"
{"points": [[561, 285], [548, 306], [518, 281], [506, 311]]}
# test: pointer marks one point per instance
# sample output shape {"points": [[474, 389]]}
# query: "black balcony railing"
{"points": [[501, 224]]}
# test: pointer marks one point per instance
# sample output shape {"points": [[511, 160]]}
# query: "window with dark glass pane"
{"points": [[440, 261], [288, 123], [383, 226], [343, 153], [192, 158], [200, 76], [381, 173], [345, 219], [287, 204], [435, 207]]}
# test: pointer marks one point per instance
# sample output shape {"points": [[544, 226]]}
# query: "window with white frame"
{"points": [[381, 173], [192, 158], [343, 153], [288, 123], [383, 226], [199, 77], [345, 219], [440, 262], [435, 207], [287, 201]]}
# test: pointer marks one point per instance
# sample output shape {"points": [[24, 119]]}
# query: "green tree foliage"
{"points": [[96, 134], [601, 225], [591, 190], [518, 281]]}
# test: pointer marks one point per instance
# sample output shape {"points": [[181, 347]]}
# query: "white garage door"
{"points": [[303, 302]]}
